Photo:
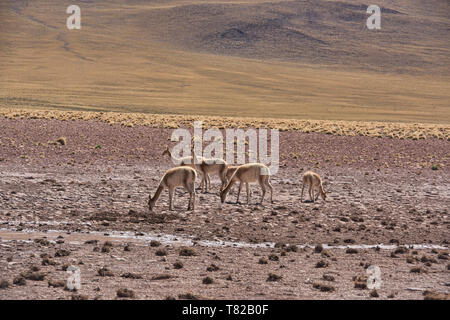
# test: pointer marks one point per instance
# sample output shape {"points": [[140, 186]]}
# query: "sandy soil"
{"points": [[381, 191]]}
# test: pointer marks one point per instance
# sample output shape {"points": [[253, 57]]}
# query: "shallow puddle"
{"points": [[29, 234]]}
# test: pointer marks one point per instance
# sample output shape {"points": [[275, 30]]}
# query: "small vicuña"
{"points": [[176, 177], [315, 182]]}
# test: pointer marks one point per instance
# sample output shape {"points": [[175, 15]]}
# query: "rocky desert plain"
{"points": [[75, 192]]}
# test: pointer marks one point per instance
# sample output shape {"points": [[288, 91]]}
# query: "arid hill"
{"points": [[279, 59]]}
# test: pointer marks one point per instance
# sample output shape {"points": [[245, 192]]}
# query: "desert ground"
{"points": [[83, 202]]}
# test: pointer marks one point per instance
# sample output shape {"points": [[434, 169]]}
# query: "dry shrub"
{"points": [[395, 130]]}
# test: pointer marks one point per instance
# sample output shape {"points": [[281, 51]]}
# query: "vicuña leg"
{"points": [[171, 193]]}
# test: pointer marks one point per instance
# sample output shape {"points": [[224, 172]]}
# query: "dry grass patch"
{"points": [[396, 130]]}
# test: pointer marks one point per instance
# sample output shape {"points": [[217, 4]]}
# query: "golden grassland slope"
{"points": [[277, 59]]}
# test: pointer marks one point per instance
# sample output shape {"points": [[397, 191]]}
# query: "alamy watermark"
{"points": [[74, 280], [374, 279], [74, 20], [374, 21], [234, 144]]}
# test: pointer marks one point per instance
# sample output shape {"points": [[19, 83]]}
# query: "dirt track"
{"points": [[380, 191]]}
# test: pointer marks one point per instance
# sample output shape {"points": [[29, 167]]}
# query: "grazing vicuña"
{"points": [[315, 182], [251, 172], [176, 177]]}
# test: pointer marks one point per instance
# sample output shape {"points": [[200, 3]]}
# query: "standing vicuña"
{"points": [[214, 166], [250, 172], [176, 177], [186, 161], [315, 182]]}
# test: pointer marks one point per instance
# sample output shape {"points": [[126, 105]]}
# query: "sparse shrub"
{"points": [[273, 257], [323, 287], [105, 272], [328, 277], [318, 248], [212, 268], [273, 277], [19, 281], [321, 264], [433, 295], [4, 284], [207, 280], [62, 253], [417, 270], [125, 293], [162, 277], [187, 252], [360, 282], [155, 243], [62, 141], [188, 296], [374, 293], [262, 261], [56, 283], [161, 252], [130, 275], [34, 276]]}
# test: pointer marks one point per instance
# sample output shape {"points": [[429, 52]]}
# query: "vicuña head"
{"points": [[167, 151]]}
